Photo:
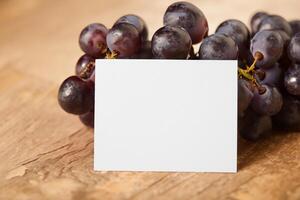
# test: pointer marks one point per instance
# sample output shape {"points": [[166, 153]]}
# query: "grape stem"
{"points": [[257, 56], [111, 55], [249, 73]]}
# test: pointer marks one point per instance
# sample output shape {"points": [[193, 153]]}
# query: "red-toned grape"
{"points": [[137, 22], [124, 39], [85, 66], [189, 17], [171, 43], [87, 119], [92, 40], [76, 96]]}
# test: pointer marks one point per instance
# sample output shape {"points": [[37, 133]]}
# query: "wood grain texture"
{"points": [[47, 154]]}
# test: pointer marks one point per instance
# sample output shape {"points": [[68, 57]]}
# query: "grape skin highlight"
{"points": [[189, 17], [218, 47], [171, 43], [92, 40], [137, 22], [76, 96], [123, 39], [270, 44]]}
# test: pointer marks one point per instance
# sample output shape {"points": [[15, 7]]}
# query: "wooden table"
{"points": [[48, 154]]}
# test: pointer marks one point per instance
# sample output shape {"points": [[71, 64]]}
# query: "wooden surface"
{"points": [[47, 154]]}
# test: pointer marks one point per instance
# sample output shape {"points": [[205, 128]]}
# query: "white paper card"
{"points": [[166, 115]]}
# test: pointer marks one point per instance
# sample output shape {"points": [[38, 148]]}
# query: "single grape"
{"points": [[269, 44], [92, 40], [76, 96], [268, 103], [145, 51], [239, 32], [124, 39], [85, 66], [275, 22], [271, 76], [253, 126], [245, 95], [288, 118], [218, 47], [295, 25], [137, 22], [256, 20], [292, 80], [189, 17], [87, 119], [171, 42], [294, 48]]}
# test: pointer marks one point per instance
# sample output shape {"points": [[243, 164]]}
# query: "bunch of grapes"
{"points": [[268, 58]]}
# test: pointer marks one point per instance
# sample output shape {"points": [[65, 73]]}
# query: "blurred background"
{"points": [[41, 36]]}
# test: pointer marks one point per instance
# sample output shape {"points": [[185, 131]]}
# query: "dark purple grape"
{"points": [[170, 42], [272, 76], [87, 119], [270, 45], [137, 22], [145, 51], [245, 95], [189, 17], [292, 80], [275, 22], [288, 118], [294, 48], [92, 40], [124, 39], [295, 25], [256, 20], [239, 32], [268, 103], [85, 66], [218, 47], [76, 96], [253, 126]]}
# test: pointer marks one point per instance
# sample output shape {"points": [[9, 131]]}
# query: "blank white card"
{"points": [[166, 115]]}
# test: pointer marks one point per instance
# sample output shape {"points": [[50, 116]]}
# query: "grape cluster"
{"points": [[268, 58]]}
